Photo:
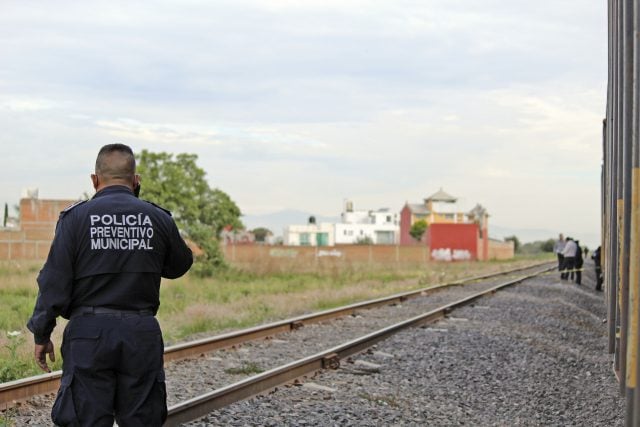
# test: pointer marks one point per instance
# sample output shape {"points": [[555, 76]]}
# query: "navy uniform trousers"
{"points": [[113, 368], [568, 267]]}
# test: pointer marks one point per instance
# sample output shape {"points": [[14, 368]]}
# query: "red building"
{"points": [[457, 242], [450, 233]]}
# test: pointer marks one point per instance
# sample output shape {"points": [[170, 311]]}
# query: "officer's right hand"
{"points": [[41, 351]]}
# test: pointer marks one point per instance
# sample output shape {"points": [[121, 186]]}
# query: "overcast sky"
{"points": [[303, 104]]}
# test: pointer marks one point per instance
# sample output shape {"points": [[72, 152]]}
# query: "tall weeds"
{"points": [[243, 295]]}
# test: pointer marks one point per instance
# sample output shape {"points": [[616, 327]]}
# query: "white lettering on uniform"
{"points": [[125, 232]]}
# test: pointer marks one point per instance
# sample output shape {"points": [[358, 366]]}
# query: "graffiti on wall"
{"points": [[446, 254]]}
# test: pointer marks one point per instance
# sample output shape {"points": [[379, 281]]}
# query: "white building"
{"points": [[379, 227], [310, 234]]}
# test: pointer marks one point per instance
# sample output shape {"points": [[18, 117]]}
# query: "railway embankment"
{"points": [[532, 354]]}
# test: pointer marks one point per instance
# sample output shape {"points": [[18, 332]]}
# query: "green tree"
{"points": [[261, 234], [201, 212], [547, 245], [418, 229], [366, 240], [516, 242]]}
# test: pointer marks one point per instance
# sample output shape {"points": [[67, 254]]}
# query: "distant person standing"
{"points": [[569, 259], [558, 247], [578, 263], [596, 260]]}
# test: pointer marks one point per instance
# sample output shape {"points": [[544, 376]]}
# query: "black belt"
{"points": [[79, 311]]}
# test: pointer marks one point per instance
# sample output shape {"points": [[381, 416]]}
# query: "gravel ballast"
{"points": [[534, 354]]}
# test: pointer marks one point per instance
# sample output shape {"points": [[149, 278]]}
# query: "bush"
{"points": [[516, 243], [212, 260], [418, 229], [13, 367], [538, 247], [547, 245], [364, 241]]}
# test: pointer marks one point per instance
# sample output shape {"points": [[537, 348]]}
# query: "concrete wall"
{"points": [[265, 258], [31, 241], [38, 220], [306, 258], [501, 250]]}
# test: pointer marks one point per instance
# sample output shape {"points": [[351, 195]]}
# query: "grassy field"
{"points": [[193, 307]]}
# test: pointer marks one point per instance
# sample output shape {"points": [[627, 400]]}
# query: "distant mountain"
{"points": [[277, 221]]}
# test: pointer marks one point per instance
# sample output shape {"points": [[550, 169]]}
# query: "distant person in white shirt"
{"points": [[569, 262], [558, 247]]}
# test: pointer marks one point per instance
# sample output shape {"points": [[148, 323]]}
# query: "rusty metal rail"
{"points": [[227, 340], [22, 389], [197, 407]]}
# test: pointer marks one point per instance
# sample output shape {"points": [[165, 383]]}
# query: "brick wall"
{"points": [[38, 220], [501, 250], [405, 226], [264, 258], [37, 225]]}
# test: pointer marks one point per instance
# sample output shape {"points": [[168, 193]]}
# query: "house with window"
{"points": [[378, 227], [310, 234]]}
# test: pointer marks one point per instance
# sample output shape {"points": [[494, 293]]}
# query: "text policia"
{"points": [[121, 232]]}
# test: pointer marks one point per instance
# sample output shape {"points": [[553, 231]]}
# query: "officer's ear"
{"points": [[94, 181]]}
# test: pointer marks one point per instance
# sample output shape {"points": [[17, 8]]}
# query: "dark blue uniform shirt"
{"points": [[110, 251]]}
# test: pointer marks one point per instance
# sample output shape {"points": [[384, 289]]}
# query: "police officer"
{"points": [[103, 274], [579, 261], [558, 247], [598, 266]]}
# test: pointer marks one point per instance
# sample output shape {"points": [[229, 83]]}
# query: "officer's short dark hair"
{"points": [[120, 166]]}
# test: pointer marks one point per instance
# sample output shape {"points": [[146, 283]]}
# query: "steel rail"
{"points": [[22, 389], [217, 342], [199, 406]]}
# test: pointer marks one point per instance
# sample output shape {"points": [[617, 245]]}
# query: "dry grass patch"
{"points": [[193, 307]]}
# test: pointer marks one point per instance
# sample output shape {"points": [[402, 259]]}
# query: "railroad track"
{"points": [[330, 358], [25, 388]]}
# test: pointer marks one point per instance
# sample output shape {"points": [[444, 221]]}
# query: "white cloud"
{"points": [[251, 140], [25, 104], [301, 104], [495, 172]]}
